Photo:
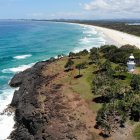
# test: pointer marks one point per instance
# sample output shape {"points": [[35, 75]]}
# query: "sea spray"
{"points": [[17, 69], [6, 119], [22, 56]]}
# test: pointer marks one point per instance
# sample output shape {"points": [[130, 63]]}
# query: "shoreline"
{"points": [[48, 107], [120, 37], [16, 69], [115, 37], [36, 75], [46, 112], [108, 40]]}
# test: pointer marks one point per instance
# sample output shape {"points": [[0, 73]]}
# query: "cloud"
{"points": [[96, 4], [116, 6]]}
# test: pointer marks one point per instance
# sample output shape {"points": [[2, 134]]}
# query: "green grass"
{"points": [[127, 79], [136, 132], [95, 106], [83, 85], [138, 68]]}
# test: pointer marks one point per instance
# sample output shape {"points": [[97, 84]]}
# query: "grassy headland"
{"points": [[83, 96], [101, 78]]}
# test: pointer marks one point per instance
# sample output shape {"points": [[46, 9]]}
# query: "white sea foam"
{"points": [[85, 40], [6, 119], [91, 38], [22, 56], [91, 31], [17, 69]]}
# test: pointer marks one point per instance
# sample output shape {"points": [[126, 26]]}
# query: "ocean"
{"points": [[23, 43]]}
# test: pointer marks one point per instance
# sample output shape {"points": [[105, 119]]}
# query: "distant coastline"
{"points": [[112, 36], [108, 39], [110, 29], [120, 37], [115, 37]]}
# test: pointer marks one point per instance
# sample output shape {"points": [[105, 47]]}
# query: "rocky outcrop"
{"points": [[28, 115], [42, 111]]}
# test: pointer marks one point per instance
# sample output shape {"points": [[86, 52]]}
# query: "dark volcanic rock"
{"points": [[25, 100], [41, 114]]}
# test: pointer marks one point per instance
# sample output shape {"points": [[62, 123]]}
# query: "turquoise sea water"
{"points": [[22, 43]]}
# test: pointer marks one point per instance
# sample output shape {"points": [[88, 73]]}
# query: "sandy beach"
{"points": [[120, 37]]}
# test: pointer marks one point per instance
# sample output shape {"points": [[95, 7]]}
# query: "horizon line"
{"points": [[70, 19]]}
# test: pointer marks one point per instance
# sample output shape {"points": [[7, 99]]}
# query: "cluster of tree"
{"points": [[78, 54], [119, 55], [94, 55], [120, 102], [70, 66], [114, 54], [111, 53]]}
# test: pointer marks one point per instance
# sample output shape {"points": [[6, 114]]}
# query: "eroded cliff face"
{"points": [[44, 111]]}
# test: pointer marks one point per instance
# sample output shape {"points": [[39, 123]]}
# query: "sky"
{"points": [[69, 9]]}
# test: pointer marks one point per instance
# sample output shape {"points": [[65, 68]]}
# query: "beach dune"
{"points": [[120, 38]]}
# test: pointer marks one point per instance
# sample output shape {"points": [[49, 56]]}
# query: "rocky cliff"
{"points": [[42, 109]]}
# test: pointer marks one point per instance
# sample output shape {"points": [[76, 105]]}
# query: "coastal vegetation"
{"points": [[69, 65], [136, 132], [112, 92], [85, 95]]}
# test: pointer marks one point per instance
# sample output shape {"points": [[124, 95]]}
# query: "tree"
{"points": [[102, 84], [80, 66], [120, 69], [71, 55], [106, 65], [128, 48], [52, 59], [105, 119], [135, 83], [69, 64], [94, 55], [83, 53], [114, 92], [108, 50], [135, 110], [59, 56], [107, 69]]}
